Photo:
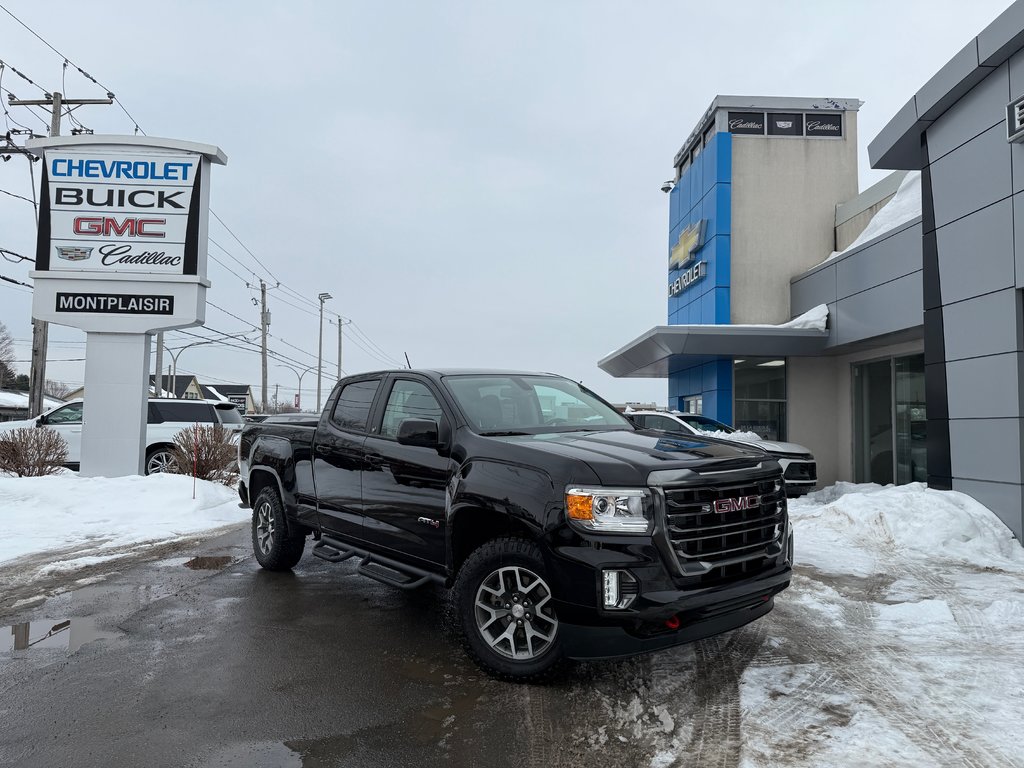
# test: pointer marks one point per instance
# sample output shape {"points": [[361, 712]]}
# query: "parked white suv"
{"points": [[798, 465], [166, 418]]}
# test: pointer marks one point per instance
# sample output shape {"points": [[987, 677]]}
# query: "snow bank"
{"points": [[92, 516], [913, 521]]}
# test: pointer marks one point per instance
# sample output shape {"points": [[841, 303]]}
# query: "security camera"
{"points": [[666, 186]]}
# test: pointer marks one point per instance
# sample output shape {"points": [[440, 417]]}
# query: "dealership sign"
{"points": [[682, 258], [131, 212], [120, 254], [1015, 120]]}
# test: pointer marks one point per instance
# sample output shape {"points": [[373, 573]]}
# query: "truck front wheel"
{"points": [[276, 549], [504, 611]]}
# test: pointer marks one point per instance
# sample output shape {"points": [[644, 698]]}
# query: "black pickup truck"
{"points": [[562, 530]]}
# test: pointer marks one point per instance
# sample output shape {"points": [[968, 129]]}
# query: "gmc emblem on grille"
{"points": [[735, 505]]}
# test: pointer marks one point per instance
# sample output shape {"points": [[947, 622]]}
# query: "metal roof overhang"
{"points": [[648, 355]]}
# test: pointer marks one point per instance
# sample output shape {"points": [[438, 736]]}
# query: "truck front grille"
{"points": [[726, 532]]}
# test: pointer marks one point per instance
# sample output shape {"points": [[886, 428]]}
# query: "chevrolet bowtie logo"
{"points": [[691, 240]]}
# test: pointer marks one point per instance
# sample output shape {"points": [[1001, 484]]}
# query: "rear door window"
{"points": [[189, 413], [230, 415], [353, 407]]}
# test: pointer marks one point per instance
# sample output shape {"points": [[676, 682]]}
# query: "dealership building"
{"points": [[917, 371]]}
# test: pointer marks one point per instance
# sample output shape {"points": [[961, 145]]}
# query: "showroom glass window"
{"points": [[889, 421], [759, 396]]}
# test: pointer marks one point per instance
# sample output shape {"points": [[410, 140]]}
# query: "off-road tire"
{"points": [[276, 549], [482, 564]]}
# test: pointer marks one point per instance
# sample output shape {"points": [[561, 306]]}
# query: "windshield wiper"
{"points": [[504, 434]]}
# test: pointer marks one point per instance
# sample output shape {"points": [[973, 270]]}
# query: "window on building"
{"points": [[890, 421], [694, 404], [759, 396]]}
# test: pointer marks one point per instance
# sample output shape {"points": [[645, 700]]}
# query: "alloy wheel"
{"points": [[514, 614], [265, 528]]}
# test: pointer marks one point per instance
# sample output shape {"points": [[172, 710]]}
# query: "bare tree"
{"points": [[7, 373], [57, 389]]}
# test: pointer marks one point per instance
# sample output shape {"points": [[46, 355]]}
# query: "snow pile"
{"points": [[903, 207], [814, 319], [10, 399], [911, 521], [93, 517]]}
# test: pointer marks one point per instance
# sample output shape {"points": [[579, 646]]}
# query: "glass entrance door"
{"points": [[872, 408], [889, 421]]}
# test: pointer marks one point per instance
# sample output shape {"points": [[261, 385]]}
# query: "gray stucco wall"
{"points": [[775, 181], [974, 352]]}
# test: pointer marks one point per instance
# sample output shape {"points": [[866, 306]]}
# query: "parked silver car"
{"points": [[798, 464]]}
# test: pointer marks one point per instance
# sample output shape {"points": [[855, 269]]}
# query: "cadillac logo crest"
{"points": [[73, 252]]}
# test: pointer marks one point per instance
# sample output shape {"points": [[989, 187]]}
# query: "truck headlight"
{"points": [[610, 510]]}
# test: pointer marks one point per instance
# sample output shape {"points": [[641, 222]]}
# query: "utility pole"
{"points": [[40, 330], [277, 403], [320, 349], [341, 322], [264, 324]]}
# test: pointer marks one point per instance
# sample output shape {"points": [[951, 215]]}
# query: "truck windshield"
{"points": [[703, 423], [513, 404]]}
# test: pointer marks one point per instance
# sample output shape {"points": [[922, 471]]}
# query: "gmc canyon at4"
{"points": [[561, 530]]}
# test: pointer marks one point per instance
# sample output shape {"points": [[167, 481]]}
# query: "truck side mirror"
{"points": [[419, 432], [41, 421]]}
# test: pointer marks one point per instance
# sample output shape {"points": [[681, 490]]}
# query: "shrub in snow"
{"points": [[32, 452], [207, 452]]}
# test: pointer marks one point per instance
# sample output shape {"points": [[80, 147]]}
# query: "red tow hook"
{"points": [[673, 623]]}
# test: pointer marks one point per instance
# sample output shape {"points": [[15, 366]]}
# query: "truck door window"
{"points": [[408, 400], [353, 406]]}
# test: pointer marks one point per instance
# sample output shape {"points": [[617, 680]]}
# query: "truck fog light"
{"points": [[620, 589]]}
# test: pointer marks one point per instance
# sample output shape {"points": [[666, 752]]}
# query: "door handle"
{"points": [[323, 450]]}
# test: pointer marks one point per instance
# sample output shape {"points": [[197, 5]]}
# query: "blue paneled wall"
{"points": [[704, 192]]}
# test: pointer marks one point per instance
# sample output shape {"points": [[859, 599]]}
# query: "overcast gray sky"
{"points": [[477, 184]]}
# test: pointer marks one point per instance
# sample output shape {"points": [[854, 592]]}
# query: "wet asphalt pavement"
{"points": [[215, 662]]}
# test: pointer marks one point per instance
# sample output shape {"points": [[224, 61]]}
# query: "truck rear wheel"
{"points": [[276, 549], [504, 611]]}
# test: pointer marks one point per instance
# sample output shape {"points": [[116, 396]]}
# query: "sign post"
{"points": [[121, 254]]}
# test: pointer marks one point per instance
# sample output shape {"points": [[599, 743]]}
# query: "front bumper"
{"points": [[677, 601], [609, 642]]}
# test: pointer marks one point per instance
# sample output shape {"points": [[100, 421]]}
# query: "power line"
{"points": [[23, 76], [81, 71], [12, 280], [11, 194], [17, 256], [247, 250]]}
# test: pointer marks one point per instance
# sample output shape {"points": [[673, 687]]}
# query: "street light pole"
{"points": [[174, 353], [320, 351], [299, 375]]}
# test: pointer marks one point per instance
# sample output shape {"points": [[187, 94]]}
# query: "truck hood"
{"points": [[775, 446], [8, 426], [628, 457]]}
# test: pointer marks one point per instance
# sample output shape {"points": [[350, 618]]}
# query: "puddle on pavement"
{"points": [[263, 754], [65, 634], [209, 563]]}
